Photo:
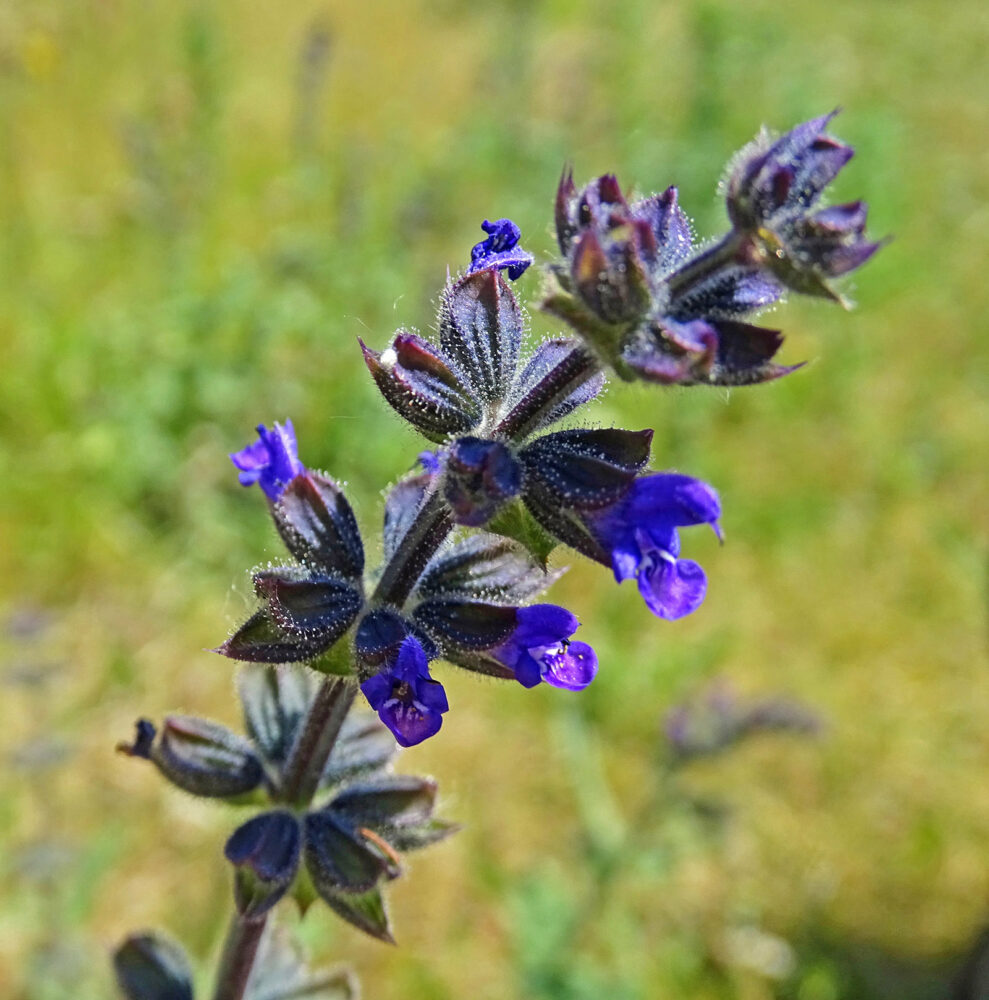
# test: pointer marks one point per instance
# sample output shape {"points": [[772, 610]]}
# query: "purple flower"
{"points": [[539, 649], [431, 462], [272, 461], [640, 534], [481, 477], [408, 701], [500, 250]]}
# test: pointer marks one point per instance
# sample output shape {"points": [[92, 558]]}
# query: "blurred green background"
{"points": [[203, 204]]}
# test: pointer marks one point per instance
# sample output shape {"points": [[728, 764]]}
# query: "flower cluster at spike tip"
{"points": [[467, 534], [644, 302]]}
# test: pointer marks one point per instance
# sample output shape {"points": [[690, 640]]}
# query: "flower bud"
{"points": [[205, 758], [318, 526], [424, 386], [265, 852], [481, 477], [340, 859], [309, 605], [151, 967], [771, 190], [481, 327]]}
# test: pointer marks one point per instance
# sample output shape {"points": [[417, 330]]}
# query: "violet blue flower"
{"points": [[500, 250], [272, 461], [408, 701], [539, 649], [639, 533]]}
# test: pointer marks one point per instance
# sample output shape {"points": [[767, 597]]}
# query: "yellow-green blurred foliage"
{"points": [[203, 204]]}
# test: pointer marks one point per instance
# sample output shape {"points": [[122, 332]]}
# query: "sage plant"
{"points": [[467, 535]]}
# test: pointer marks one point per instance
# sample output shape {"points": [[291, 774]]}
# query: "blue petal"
{"points": [[527, 671], [408, 724], [500, 250], [573, 668], [378, 689], [672, 588], [669, 499], [432, 695], [412, 663], [543, 625]]}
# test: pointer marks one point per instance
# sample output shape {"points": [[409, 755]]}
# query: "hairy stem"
{"points": [[312, 750], [237, 962], [728, 250], [302, 774], [425, 535]]}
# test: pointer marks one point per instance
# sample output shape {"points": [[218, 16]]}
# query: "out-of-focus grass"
{"points": [[194, 231]]}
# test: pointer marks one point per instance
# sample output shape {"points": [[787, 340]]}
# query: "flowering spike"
{"points": [[265, 853], [272, 461], [500, 250], [719, 720]]}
